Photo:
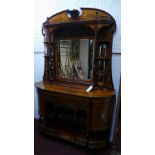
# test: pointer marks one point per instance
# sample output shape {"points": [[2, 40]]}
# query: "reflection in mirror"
{"points": [[75, 59], [103, 50], [45, 50]]}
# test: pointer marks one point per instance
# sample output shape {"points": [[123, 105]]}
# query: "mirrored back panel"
{"points": [[75, 59]]}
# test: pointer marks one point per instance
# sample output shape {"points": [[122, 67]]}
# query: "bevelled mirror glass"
{"points": [[75, 59]]}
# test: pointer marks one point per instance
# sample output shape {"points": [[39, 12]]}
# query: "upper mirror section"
{"points": [[75, 59]]}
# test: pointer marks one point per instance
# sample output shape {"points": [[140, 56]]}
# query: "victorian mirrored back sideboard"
{"points": [[76, 97]]}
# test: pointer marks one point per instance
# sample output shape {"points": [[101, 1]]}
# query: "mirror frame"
{"points": [[61, 79]]}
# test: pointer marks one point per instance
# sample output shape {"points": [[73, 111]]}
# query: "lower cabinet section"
{"points": [[81, 120]]}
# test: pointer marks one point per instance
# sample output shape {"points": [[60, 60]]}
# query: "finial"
{"points": [[73, 13]]}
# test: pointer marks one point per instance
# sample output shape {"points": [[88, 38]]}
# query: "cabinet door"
{"points": [[101, 114], [44, 101]]}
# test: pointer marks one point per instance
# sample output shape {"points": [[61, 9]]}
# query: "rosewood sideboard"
{"points": [[76, 97]]}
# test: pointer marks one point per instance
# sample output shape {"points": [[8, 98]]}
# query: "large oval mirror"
{"points": [[75, 59]]}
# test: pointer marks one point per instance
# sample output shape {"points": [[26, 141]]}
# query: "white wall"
{"points": [[38, 76], [46, 8]]}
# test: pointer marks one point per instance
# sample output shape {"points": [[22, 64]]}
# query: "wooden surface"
{"points": [[87, 15], [74, 91]]}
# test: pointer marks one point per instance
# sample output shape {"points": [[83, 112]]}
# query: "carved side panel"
{"points": [[101, 114], [51, 62], [46, 68], [103, 70], [48, 56], [42, 107]]}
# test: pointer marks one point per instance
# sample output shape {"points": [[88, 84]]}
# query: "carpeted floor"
{"points": [[44, 145]]}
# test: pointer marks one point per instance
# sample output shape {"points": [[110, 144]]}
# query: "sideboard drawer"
{"points": [[70, 103], [63, 102]]}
